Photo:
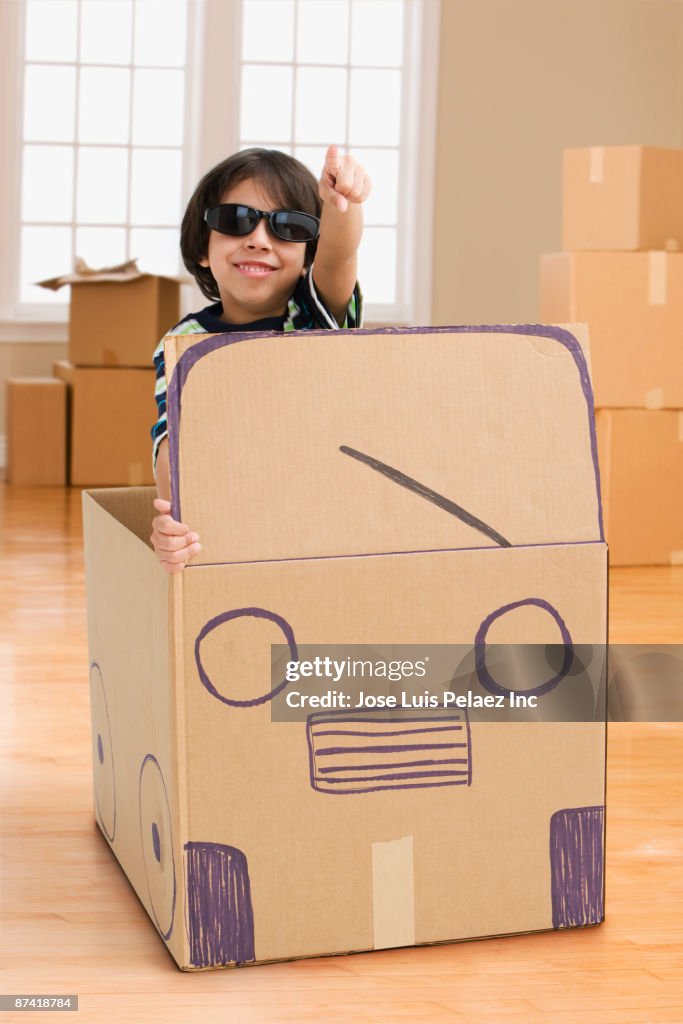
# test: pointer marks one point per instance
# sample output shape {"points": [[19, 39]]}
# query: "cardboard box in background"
{"points": [[36, 431], [200, 794], [633, 305], [118, 324], [622, 198], [112, 413], [117, 314], [641, 463]]}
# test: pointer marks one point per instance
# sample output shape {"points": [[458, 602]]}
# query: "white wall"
{"points": [[520, 80]]}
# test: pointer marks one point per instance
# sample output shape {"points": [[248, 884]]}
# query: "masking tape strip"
{"points": [[596, 171], [657, 278], [654, 398], [676, 558], [680, 426], [393, 893]]}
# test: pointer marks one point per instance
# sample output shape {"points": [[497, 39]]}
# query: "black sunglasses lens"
{"points": [[245, 219], [232, 219], [293, 226]]}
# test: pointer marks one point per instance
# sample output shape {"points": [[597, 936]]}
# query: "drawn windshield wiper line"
{"points": [[426, 492]]}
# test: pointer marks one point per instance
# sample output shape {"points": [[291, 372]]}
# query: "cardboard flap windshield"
{"points": [[359, 442], [455, 472]]}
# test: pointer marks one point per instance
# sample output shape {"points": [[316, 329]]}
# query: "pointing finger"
{"points": [[332, 158], [345, 176]]}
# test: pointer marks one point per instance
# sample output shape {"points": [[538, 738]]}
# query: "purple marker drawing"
{"points": [[104, 781], [576, 866], [156, 841], [236, 613], [351, 753], [156, 837], [220, 916], [483, 674], [440, 500], [203, 348]]}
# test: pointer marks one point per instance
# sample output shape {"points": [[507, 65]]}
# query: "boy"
{"points": [[249, 237]]}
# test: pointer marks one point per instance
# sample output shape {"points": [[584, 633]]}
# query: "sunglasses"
{"points": [[289, 225]]}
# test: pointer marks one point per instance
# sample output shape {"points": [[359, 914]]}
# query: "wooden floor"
{"points": [[71, 923]]}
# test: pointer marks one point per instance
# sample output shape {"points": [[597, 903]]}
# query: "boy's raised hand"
{"points": [[343, 180], [174, 543]]}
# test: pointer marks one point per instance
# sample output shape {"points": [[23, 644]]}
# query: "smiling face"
{"points": [[257, 273]]}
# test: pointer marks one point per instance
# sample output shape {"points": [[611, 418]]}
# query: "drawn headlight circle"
{"points": [[237, 613], [483, 674]]}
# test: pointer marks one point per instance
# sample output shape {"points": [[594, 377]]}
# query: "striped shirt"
{"points": [[305, 312]]}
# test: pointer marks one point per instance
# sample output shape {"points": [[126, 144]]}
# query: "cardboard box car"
{"points": [[36, 431], [401, 486], [633, 305], [622, 198], [111, 416], [641, 461]]}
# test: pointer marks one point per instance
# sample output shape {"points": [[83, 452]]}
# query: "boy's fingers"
{"points": [[361, 185], [356, 192], [345, 176], [172, 541], [172, 567], [351, 184], [332, 159], [166, 542], [165, 524], [181, 556], [175, 562], [343, 180]]}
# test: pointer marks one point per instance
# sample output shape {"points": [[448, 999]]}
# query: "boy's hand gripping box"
{"points": [[398, 486]]}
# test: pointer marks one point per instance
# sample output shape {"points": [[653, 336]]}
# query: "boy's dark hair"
{"points": [[291, 185]]}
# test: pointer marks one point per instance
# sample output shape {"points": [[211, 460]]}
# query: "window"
{"points": [[336, 71], [102, 137], [119, 118]]}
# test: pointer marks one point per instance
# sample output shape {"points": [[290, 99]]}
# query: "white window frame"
{"points": [[25, 320], [212, 132]]}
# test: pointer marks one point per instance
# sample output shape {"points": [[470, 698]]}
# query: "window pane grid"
{"points": [[47, 143], [105, 224], [115, 186], [349, 93], [106, 64], [305, 64]]}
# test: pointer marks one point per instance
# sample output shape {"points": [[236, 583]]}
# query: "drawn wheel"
{"points": [[103, 755], [157, 844]]}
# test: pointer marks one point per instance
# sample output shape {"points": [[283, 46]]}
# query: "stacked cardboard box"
{"points": [[408, 486], [36, 431], [116, 318], [621, 272]]}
